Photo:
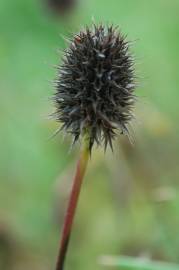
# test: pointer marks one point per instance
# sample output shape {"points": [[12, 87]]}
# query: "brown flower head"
{"points": [[95, 85]]}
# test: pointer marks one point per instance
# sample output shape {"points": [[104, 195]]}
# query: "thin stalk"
{"points": [[72, 204]]}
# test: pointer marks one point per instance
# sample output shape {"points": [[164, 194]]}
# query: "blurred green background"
{"points": [[129, 204]]}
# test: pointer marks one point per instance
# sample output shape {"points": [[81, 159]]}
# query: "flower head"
{"points": [[61, 6], [95, 85]]}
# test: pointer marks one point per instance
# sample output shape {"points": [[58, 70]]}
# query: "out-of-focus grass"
{"points": [[129, 263], [130, 201]]}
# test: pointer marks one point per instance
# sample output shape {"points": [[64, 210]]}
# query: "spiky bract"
{"points": [[95, 85]]}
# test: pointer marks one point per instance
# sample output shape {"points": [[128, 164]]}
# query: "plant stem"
{"points": [[72, 204]]}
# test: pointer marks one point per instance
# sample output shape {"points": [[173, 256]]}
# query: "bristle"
{"points": [[95, 85]]}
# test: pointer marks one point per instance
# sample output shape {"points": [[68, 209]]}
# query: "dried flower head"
{"points": [[95, 85]]}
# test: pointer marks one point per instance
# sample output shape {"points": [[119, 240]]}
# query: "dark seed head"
{"points": [[95, 85], [61, 6]]}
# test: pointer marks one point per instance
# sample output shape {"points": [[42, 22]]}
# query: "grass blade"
{"points": [[131, 263]]}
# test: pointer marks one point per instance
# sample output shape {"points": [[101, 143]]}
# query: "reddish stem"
{"points": [[72, 205]]}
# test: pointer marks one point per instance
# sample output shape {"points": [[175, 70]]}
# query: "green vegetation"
{"points": [[130, 200]]}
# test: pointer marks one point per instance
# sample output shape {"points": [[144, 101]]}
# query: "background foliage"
{"points": [[130, 201]]}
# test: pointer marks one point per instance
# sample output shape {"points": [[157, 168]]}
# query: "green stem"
{"points": [[72, 204]]}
